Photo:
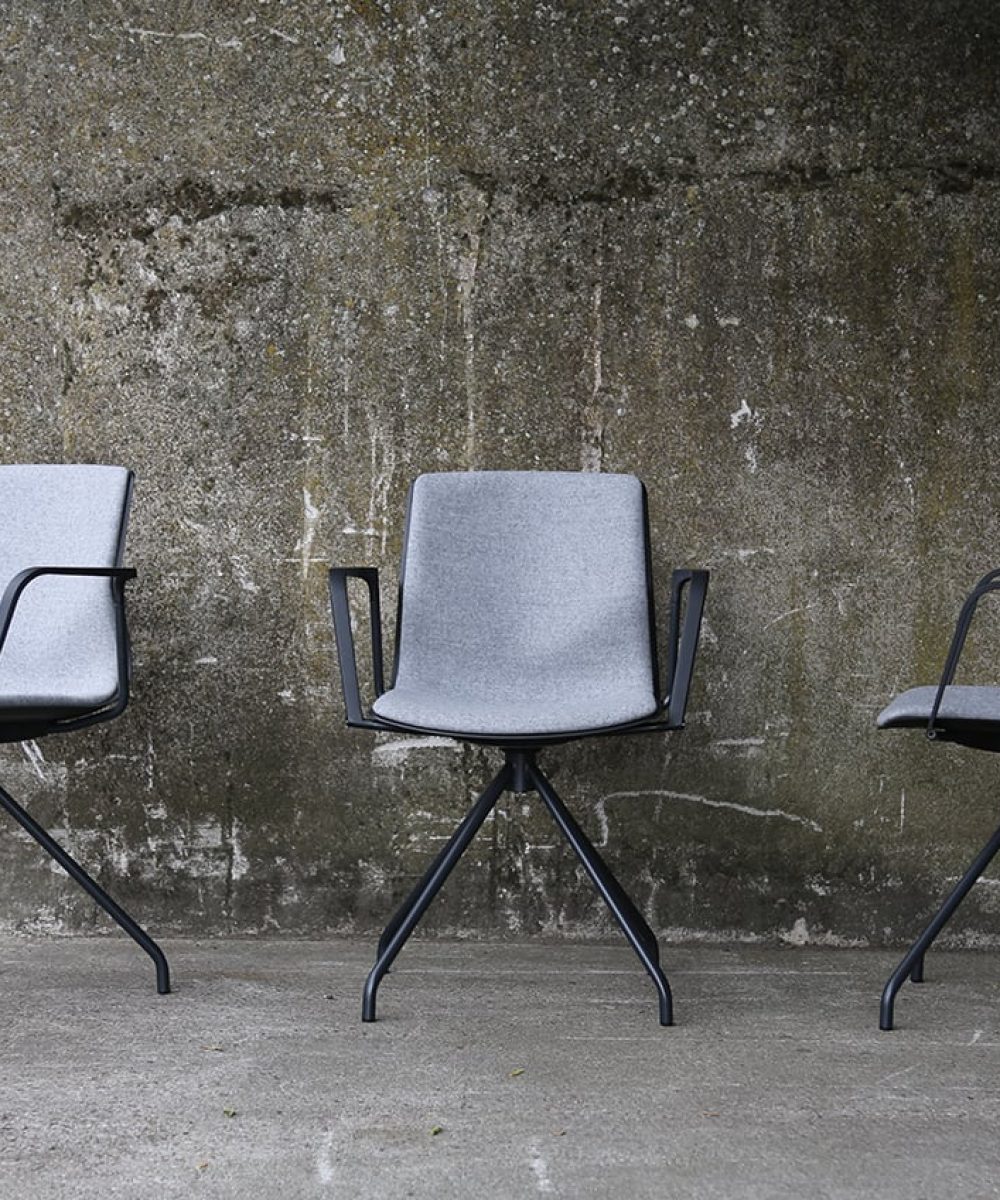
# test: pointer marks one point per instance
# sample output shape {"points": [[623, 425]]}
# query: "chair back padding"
{"points": [[525, 604], [61, 649]]}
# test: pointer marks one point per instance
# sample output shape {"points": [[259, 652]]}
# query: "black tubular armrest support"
{"points": [[344, 634], [988, 583], [683, 642], [13, 590], [119, 576]]}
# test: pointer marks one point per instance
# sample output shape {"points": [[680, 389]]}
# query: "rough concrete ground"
{"points": [[541, 1066]]}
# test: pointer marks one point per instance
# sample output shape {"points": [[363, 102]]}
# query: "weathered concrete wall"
{"points": [[280, 257]]}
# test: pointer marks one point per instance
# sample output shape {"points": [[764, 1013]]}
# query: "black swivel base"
{"points": [[518, 774], [93, 889], [912, 964]]}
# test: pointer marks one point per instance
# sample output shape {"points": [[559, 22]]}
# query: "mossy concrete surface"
{"points": [[281, 257]]}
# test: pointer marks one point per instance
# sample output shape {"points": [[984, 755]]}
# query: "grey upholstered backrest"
{"points": [[61, 647], [522, 580]]}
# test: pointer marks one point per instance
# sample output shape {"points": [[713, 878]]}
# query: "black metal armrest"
{"points": [[119, 576], [344, 634], [13, 590], [988, 583], [683, 640]]}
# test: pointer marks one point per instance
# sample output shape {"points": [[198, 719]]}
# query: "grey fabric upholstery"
{"points": [[525, 605], [960, 703], [60, 652]]}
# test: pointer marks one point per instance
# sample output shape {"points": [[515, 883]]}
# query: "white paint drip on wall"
{"points": [[592, 446], [693, 798], [801, 935], [598, 350], [398, 750], [600, 808], [798, 935], [149, 763], [36, 760], [310, 520], [161, 34], [383, 469], [240, 863], [468, 266], [744, 414], [203, 853]]}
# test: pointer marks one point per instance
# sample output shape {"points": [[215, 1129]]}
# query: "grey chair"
{"points": [[947, 712], [64, 653], [525, 620]]}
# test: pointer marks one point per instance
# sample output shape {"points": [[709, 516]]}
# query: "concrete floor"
{"points": [[496, 1070]]}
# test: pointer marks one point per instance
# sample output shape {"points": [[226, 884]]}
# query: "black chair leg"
{"points": [[913, 961], [94, 889], [416, 904], [633, 924], [443, 856]]}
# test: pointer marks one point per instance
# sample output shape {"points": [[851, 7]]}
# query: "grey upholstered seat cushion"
{"points": [[60, 653], [525, 605], [961, 703]]}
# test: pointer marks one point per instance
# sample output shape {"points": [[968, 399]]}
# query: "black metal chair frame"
{"points": [[520, 772], [21, 730], [981, 735]]}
